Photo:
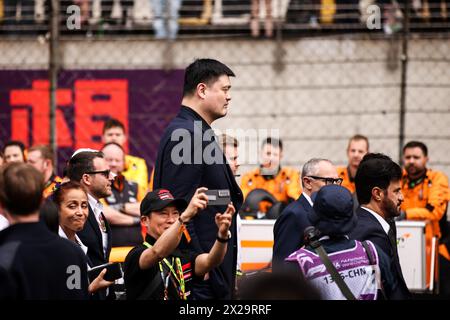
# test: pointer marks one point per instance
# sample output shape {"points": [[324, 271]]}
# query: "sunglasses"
{"points": [[105, 173], [328, 181]]}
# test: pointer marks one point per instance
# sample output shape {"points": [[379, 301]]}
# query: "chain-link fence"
{"points": [[316, 81]]}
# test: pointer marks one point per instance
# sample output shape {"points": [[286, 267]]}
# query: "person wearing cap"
{"points": [[159, 269], [359, 264]]}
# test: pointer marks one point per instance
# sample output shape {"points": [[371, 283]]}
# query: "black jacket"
{"points": [[182, 179], [91, 236], [36, 264], [368, 228], [288, 230]]}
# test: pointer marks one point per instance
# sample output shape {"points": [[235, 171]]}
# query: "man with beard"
{"points": [[426, 196], [358, 146], [379, 193]]}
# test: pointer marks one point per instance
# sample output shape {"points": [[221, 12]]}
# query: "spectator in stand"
{"points": [[165, 22], [254, 22]]}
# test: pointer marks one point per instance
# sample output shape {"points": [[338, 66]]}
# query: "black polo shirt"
{"points": [[137, 280]]}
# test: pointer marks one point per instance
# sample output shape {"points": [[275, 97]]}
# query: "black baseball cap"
{"points": [[159, 199]]}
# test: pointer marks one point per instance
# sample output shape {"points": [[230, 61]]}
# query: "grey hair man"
{"points": [[289, 227]]}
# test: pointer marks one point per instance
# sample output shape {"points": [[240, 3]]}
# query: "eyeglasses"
{"points": [[328, 181], [105, 173]]}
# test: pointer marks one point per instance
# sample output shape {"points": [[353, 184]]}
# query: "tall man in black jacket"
{"points": [[189, 157], [379, 193]]}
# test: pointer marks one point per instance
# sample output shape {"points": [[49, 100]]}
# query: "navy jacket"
{"points": [[368, 228], [182, 178], [288, 230]]}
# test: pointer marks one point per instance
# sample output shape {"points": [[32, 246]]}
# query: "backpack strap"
{"points": [[333, 272]]}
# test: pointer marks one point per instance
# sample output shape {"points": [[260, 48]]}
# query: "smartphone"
{"points": [[113, 271], [218, 197]]}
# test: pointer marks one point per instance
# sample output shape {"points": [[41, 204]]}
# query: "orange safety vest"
{"points": [[284, 186], [427, 199], [347, 181]]}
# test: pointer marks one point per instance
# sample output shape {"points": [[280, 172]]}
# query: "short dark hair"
{"points": [[21, 188], [46, 151], [113, 123], [274, 142], [358, 137], [203, 71], [417, 144], [375, 170], [81, 163], [16, 143]]}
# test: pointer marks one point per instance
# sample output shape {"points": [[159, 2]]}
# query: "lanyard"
{"points": [[179, 278]]}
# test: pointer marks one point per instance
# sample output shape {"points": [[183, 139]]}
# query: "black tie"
{"points": [[392, 234]]}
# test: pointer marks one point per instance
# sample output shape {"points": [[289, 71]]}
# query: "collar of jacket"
{"points": [[187, 112]]}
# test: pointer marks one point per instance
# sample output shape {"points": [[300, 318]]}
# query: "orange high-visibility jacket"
{"points": [[426, 200], [284, 186], [346, 182]]}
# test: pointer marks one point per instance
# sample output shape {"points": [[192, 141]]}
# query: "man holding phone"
{"points": [[158, 269]]}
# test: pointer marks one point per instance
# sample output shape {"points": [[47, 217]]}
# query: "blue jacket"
{"points": [[368, 228], [182, 179], [288, 230]]}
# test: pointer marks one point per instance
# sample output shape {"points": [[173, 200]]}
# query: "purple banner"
{"points": [[144, 100]]}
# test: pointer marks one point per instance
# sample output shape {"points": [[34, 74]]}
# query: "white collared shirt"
{"points": [[4, 223], [380, 219], [97, 207], [78, 241], [308, 198]]}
